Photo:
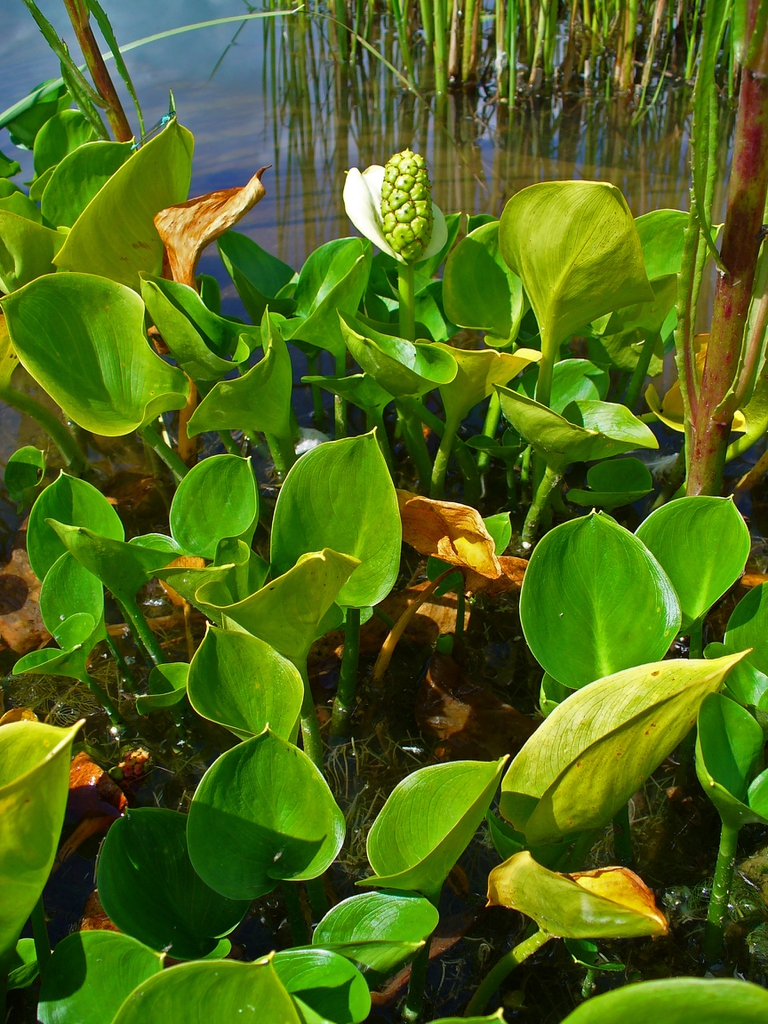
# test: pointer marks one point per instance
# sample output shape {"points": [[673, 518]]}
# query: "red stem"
{"points": [[741, 244], [79, 15]]}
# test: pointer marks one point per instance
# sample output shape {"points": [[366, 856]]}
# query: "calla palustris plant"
{"points": [[599, 605]]}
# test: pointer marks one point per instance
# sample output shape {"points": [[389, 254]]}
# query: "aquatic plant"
{"points": [[129, 342]]}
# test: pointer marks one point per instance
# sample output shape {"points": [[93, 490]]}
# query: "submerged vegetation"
{"points": [[263, 695]]}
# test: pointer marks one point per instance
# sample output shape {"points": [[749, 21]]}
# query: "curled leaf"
{"points": [[606, 903], [187, 228], [456, 533]]}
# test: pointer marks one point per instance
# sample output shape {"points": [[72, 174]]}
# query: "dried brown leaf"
{"points": [[186, 229], [456, 533]]}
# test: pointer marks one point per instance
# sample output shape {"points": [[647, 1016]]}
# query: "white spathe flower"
{"points": [[362, 201]]}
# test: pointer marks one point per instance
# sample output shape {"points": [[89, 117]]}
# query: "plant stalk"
{"points": [[310, 726], [413, 437], [711, 424], [549, 480], [712, 943], [345, 694], [103, 698], [40, 934], [407, 296], [622, 838], [79, 15], [505, 966], [73, 455], [140, 628], [167, 454], [294, 913], [490, 426]]}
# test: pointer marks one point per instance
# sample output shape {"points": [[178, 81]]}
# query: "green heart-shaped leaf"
{"points": [[358, 388], [60, 135], [91, 974], [24, 473], [259, 400], [586, 431], [206, 346], [223, 991], [572, 380], [662, 234], [677, 1001], [480, 292], [122, 568], [729, 754], [243, 684], [262, 813], [576, 248], [34, 784], [340, 495], [257, 275], [599, 746], [109, 386], [150, 890], [27, 250], [217, 499], [331, 283], [397, 365], [588, 584], [167, 686], [115, 235], [76, 503], [748, 627], [426, 823], [287, 612], [613, 483], [78, 177], [377, 929], [679, 535], [327, 983]]}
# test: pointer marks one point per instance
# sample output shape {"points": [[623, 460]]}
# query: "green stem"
{"points": [[544, 379], [128, 680], [310, 726], [140, 629], [413, 438], [696, 639], [339, 403], [505, 966], [345, 694], [168, 455], [622, 837], [549, 480], [414, 1001], [318, 411], [721, 887], [283, 453], [407, 296], [230, 444], [461, 603], [318, 900], [440, 467], [294, 913], [463, 455], [102, 697], [40, 933], [639, 374], [71, 451], [490, 426]]}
